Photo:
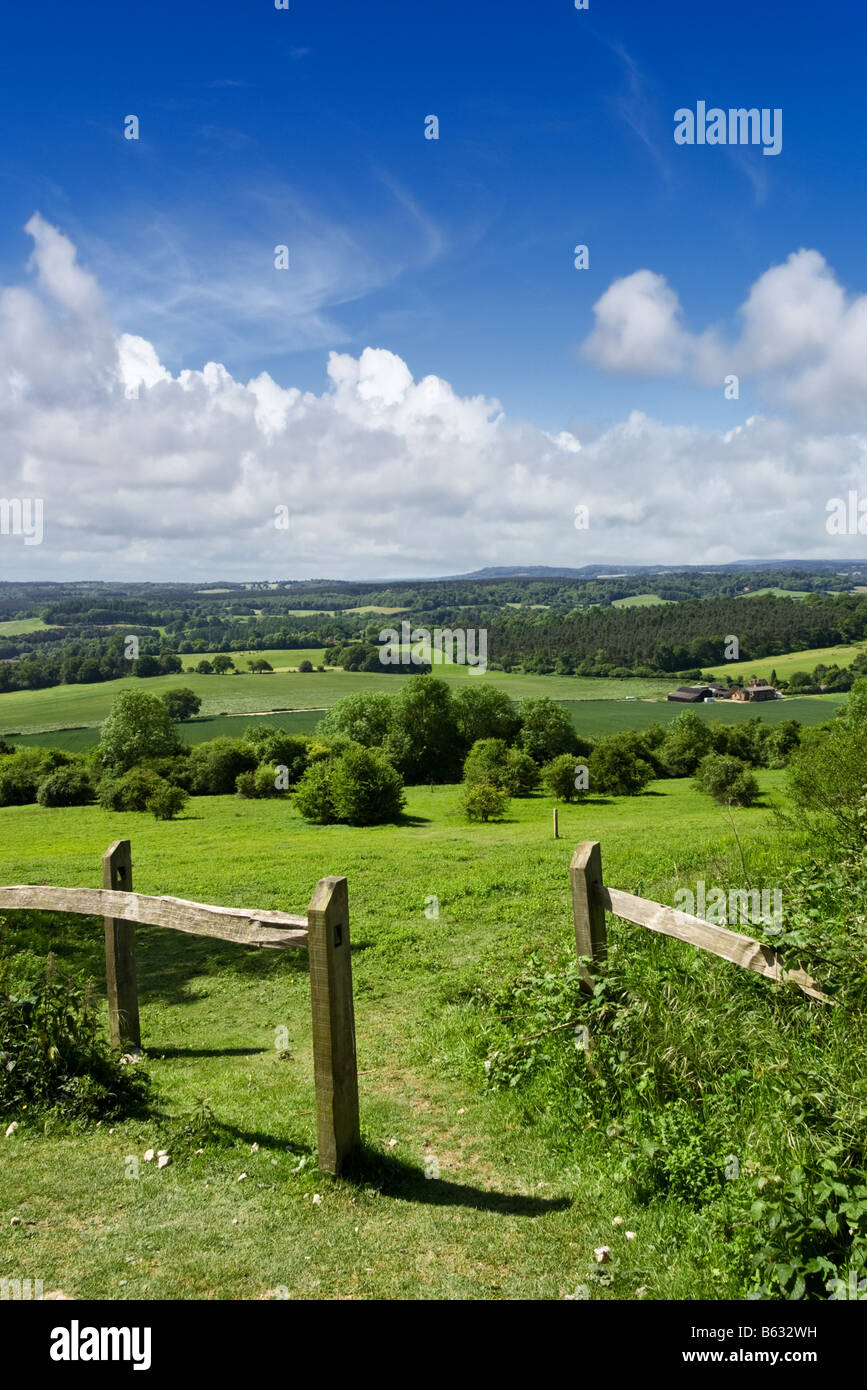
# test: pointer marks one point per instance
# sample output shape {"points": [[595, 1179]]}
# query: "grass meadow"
{"points": [[513, 1212]]}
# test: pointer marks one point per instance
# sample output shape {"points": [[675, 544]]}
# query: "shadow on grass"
{"points": [[169, 1054], [405, 1183]]}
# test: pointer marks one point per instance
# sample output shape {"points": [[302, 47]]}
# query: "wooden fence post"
{"points": [[585, 872], [556, 826], [334, 1060], [120, 977]]}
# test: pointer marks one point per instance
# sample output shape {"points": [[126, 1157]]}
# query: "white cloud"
{"points": [[802, 338], [146, 474]]}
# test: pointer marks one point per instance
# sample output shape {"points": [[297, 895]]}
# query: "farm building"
{"points": [[756, 690], [692, 694]]}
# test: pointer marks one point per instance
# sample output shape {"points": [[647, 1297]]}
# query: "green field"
{"points": [[511, 1215], [639, 601], [61, 706], [15, 627], [790, 661]]}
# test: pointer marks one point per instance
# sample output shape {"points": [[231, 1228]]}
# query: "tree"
{"points": [[181, 703], [485, 711], [483, 801], [205, 668], [827, 777], [147, 666], [560, 776], [365, 718], [138, 726], [546, 729], [687, 741], [423, 741], [510, 769], [616, 767], [727, 779], [129, 792], [259, 664], [305, 666], [223, 664]]}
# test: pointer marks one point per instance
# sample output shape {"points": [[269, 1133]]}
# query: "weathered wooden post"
{"points": [[556, 827], [334, 1060], [585, 872], [120, 977]]}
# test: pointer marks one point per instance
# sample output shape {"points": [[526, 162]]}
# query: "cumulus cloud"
{"points": [[802, 338], [148, 474]]}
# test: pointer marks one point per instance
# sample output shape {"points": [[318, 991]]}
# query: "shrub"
{"points": [[483, 801], [306, 666], [559, 778], [616, 766], [358, 787], [129, 792], [828, 775], [273, 745], [728, 780], [21, 774], [313, 796], [166, 801], [66, 786], [52, 1057], [365, 788], [264, 782], [215, 765], [522, 776]]}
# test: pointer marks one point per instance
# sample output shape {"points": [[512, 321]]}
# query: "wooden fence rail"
{"points": [[324, 930], [591, 899]]}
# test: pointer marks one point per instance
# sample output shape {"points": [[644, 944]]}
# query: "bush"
{"points": [[52, 1058], [22, 773], [306, 666], [828, 775], [358, 787], [522, 776], [483, 801], [66, 786], [129, 792], [617, 767], [166, 801], [728, 780], [313, 796], [559, 778], [264, 782], [273, 745], [215, 765]]}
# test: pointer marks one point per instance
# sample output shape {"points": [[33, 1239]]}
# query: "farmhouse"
{"points": [[756, 690]]}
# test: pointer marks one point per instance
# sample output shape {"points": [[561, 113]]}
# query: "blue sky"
{"points": [[262, 127]]}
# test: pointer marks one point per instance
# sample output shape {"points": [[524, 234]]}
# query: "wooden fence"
{"points": [[591, 899], [324, 930]]}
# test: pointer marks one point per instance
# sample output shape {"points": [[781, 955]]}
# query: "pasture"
{"points": [[460, 1194]]}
